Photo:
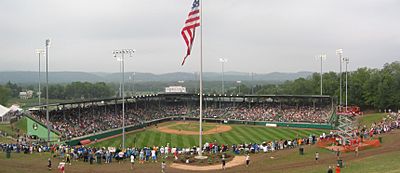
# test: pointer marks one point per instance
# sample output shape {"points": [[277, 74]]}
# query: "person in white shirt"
{"points": [[132, 160], [265, 148], [153, 155], [162, 150], [166, 150]]}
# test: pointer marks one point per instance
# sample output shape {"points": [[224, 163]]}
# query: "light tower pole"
{"points": [[47, 91], [222, 61], [252, 82], [239, 82], [346, 60], [339, 53], [133, 83], [321, 57], [122, 52], [39, 52], [120, 82]]}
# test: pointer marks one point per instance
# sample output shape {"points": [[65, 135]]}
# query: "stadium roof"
{"points": [[184, 95]]}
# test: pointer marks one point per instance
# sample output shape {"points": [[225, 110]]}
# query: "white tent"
{"points": [[3, 111], [15, 108]]}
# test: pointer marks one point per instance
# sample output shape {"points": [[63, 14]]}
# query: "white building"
{"points": [[26, 95], [175, 89]]}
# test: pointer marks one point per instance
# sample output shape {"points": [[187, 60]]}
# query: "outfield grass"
{"points": [[238, 134], [192, 126]]}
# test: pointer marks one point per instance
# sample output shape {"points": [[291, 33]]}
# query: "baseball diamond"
{"points": [[154, 136]]}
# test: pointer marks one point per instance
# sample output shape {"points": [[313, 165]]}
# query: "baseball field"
{"points": [[185, 134]]}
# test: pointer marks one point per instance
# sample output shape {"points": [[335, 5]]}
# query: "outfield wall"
{"points": [[113, 132]]}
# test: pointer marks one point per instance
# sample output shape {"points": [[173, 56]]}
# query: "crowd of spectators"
{"points": [[84, 120], [387, 124], [272, 112]]}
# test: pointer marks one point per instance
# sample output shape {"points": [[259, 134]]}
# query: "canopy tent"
{"points": [[15, 108], [3, 111]]}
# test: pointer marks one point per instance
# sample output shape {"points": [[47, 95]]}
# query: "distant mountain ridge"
{"points": [[67, 77]]}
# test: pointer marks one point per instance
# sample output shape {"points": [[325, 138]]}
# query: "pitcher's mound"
{"points": [[217, 129]]}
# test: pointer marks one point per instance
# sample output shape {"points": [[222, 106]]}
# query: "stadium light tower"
{"points": [[339, 53], [239, 82], [122, 52], [223, 61], [133, 82], [346, 61], [120, 82], [321, 57], [252, 82], [39, 52], [47, 91]]}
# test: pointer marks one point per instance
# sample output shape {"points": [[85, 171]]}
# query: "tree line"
{"points": [[368, 88], [72, 91]]}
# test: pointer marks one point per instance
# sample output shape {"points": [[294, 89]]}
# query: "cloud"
{"points": [[259, 36]]}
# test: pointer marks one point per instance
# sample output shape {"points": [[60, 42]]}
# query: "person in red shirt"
{"points": [[337, 168]]}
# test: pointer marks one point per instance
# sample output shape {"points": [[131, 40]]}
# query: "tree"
{"points": [[57, 91], [356, 86], [5, 95], [14, 89]]}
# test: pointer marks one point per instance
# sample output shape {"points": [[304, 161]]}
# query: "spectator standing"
{"points": [[337, 168], [163, 165], [49, 164], [247, 160], [330, 169], [61, 167], [356, 151], [132, 160], [223, 162]]}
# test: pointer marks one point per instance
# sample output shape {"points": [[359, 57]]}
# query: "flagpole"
{"points": [[201, 80]]}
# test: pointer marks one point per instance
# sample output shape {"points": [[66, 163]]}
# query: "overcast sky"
{"points": [[255, 36]]}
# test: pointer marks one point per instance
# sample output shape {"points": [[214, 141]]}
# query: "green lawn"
{"points": [[368, 119], [21, 125], [5, 140], [387, 162], [238, 134], [7, 129]]}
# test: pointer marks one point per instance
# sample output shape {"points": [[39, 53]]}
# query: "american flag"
{"points": [[188, 31]]}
